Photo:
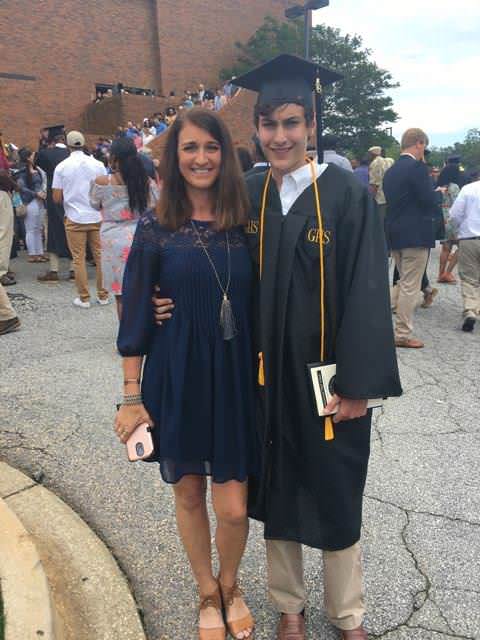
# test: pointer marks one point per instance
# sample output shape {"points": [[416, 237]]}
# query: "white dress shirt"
{"points": [[74, 176], [329, 155], [465, 212], [295, 183]]}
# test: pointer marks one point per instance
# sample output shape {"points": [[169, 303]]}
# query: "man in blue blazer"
{"points": [[411, 203]]}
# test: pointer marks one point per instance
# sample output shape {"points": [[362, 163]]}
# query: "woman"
{"points": [[7, 187], [449, 178], [197, 387], [33, 190], [123, 196]]}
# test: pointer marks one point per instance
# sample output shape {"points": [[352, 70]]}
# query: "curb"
{"points": [[26, 597], [83, 594]]}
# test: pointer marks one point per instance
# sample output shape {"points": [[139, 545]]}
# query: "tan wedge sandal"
{"points": [[214, 633], [241, 624]]}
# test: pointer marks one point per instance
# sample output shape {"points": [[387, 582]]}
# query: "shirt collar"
{"points": [[301, 177], [408, 154]]}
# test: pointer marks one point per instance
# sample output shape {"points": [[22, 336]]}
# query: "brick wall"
{"points": [[106, 116], [69, 46], [237, 115], [197, 38]]}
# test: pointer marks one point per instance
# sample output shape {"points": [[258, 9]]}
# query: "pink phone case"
{"points": [[140, 443]]}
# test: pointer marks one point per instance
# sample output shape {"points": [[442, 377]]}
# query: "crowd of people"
{"points": [[30, 191], [50, 206], [268, 266], [415, 216]]}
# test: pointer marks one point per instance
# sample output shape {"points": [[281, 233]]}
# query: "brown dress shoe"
{"points": [[409, 343], [50, 276], [355, 634], [291, 627], [7, 280], [6, 326]]}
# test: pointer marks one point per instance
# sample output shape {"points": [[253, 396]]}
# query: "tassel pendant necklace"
{"points": [[227, 319]]}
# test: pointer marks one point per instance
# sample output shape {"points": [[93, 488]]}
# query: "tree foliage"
{"points": [[469, 150], [356, 108]]}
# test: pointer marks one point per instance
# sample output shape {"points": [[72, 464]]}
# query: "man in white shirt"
{"points": [[465, 214], [71, 185], [330, 154]]}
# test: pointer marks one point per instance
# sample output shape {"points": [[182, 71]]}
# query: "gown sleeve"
{"points": [[365, 349], [137, 324]]}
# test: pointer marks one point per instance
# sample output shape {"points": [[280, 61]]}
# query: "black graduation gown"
{"points": [[310, 490], [48, 159]]}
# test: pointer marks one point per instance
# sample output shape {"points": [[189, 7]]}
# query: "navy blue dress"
{"points": [[197, 387]]}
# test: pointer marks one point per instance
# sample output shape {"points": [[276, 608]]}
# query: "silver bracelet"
{"points": [[132, 399]]}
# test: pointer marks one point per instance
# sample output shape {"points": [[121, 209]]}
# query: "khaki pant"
{"points": [[6, 231], [55, 262], [469, 272], [411, 265], [77, 237], [6, 310], [342, 576]]}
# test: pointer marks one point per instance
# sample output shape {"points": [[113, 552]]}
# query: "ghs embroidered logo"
{"points": [[313, 235]]}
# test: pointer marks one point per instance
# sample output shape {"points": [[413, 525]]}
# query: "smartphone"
{"points": [[140, 443]]}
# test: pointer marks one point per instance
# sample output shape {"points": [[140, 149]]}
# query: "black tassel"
{"points": [[227, 320]]}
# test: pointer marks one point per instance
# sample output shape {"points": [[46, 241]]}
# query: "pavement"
{"points": [[60, 378]]}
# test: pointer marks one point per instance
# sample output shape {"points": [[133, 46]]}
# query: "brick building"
{"points": [[54, 53]]}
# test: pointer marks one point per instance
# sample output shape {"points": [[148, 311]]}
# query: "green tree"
{"points": [[356, 108], [469, 150]]}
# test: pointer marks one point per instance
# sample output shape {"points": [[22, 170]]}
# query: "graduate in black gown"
{"points": [[48, 158], [322, 294]]}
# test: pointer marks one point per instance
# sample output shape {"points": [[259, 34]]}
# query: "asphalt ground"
{"points": [[60, 377]]}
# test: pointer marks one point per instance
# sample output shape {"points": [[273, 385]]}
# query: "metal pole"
{"points": [[306, 33]]}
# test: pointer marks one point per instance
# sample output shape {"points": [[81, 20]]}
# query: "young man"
{"points": [[336, 310], [465, 215], [48, 158], [412, 203], [71, 186]]}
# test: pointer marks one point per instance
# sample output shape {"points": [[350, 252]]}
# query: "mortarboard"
{"points": [[289, 78], [454, 159], [55, 130]]}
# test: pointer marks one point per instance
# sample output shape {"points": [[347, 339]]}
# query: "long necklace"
{"points": [[227, 319]]}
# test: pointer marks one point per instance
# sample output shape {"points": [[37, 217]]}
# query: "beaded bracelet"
{"points": [[132, 399]]}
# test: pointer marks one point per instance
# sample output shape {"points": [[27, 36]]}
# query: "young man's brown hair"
{"points": [[412, 136], [267, 110]]}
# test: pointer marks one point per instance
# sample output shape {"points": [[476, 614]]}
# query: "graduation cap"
{"points": [[55, 130], [290, 79]]}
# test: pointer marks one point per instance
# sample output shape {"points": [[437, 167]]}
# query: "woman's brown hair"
{"points": [[174, 208]]}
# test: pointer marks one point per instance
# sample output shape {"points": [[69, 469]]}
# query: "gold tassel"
{"points": [[329, 434], [261, 372]]}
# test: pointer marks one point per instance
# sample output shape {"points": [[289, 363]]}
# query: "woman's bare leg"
{"points": [[194, 528], [230, 505], [443, 259], [118, 300], [452, 261]]}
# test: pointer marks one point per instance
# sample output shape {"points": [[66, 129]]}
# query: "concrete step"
{"points": [[89, 596]]}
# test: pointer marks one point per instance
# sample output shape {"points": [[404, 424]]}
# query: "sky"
{"points": [[432, 48]]}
